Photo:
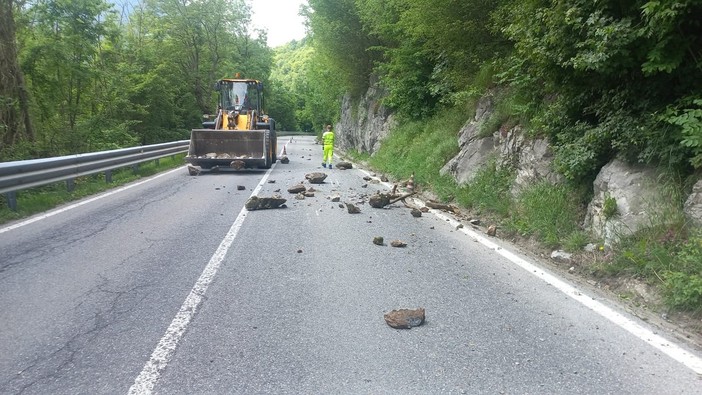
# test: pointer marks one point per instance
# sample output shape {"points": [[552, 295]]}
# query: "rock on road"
{"points": [[296, 302]]}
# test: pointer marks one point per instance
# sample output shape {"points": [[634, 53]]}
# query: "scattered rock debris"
{"points": [[352, 209], [240, 187], [297, 188], [398, 243], [193, 171], [378, 240], [405, 318], [237, 164], [380, 200], [284, 160], [336, 198], [562, 256], [492, 230], [441, 206], [258, 203], [344, 165], [416, 213], [316, 177]]}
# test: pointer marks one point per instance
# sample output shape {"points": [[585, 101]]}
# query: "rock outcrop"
{"points": [[636, 190], [508, 147], [626, 198], [363, 126]]}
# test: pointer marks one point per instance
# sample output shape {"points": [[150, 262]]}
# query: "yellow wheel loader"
{"points": [[240, 135]]}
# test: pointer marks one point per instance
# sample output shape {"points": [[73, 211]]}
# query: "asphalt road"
{"points": [[171, 287]]}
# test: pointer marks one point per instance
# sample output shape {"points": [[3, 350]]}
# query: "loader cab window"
{"points": [[239, 96]]}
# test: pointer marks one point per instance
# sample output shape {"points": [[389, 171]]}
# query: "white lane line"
{"points": [[82, 202], [674, 351], [162, 355], [688, 359]]}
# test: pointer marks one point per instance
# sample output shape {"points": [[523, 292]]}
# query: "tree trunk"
{"points": [[15, 122]]}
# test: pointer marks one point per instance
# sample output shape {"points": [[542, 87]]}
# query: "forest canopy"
{"points": [[81, 75]]}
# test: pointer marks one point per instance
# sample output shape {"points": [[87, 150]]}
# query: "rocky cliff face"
{"points": [[626, 197], [365, 124], [509, 147]]}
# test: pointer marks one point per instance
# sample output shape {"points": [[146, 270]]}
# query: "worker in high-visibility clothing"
{"points": [[328, 146]]}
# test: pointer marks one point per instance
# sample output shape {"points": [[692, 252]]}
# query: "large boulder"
{"points": [[627, 197]]}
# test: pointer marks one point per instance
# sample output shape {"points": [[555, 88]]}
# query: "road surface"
{"points": [[170, 286]]}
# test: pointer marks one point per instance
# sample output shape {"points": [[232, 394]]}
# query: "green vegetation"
{"points": [[488, 193], [609, 209], [44, 198], [552, 213], [422, 147]]}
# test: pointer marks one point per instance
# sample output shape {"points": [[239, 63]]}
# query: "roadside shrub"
{"points": [[683, 291], [683, 279]]}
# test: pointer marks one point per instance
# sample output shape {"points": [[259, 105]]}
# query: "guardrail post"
{"points": [[156, 162], [11, 200], [135, 168], [70, 185], [108, 176]]}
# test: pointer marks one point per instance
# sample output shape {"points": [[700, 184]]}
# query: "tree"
{"points": [[340, 38], [15, 121]]}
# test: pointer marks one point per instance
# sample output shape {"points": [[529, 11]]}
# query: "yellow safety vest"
{"points": [[328, 138]]}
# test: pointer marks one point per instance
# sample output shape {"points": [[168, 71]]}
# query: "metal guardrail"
{"points": [[25, 174]]}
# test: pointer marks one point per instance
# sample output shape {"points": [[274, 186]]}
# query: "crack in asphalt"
{"points": [[57, 242], [115, 304]]}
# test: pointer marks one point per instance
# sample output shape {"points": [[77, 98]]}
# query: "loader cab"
{"points": [[240, 95]]}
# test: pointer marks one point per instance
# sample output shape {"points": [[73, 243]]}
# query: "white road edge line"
{"points": [[674, 351], [688, 359], [82, 202], [146, 381]]}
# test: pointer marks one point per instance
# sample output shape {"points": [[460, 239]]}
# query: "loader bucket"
{"points": [[224, 148]]}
